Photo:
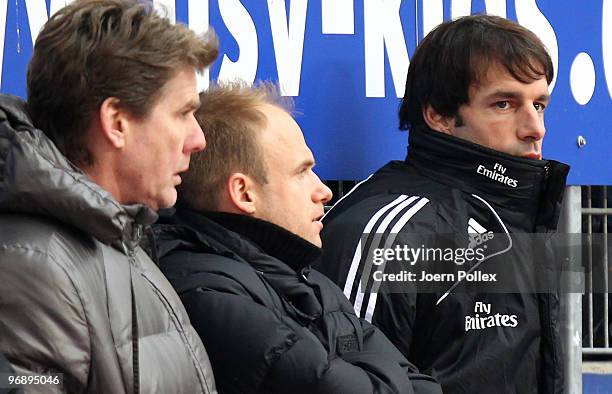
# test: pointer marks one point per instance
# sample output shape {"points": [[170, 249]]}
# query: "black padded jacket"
{"points": [[472, 337], [270, 323]]}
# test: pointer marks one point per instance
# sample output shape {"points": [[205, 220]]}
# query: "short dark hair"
{"points": [[95, 49], [456, 54], [230, 117]]}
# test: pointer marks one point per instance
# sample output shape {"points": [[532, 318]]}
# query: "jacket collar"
{"points": [[279, 256], [35, 178], [261, 236], [534, 187]]}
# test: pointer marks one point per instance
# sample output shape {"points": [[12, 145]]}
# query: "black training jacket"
{"points": [[271, 324], [472, 336]]}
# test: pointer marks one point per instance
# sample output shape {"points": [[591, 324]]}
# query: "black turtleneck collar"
{"points": [[532, 186], [274, 240]]}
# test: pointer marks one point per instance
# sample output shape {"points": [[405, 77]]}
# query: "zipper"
{"points": [[180, 328], [547, 325], [199, 367], [135, 355]]}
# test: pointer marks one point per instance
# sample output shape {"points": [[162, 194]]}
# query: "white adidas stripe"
{"points": [[382, 227], [350, 279], [408, 215], [388, 243]]}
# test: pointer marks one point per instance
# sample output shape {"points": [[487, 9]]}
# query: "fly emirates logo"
{"points": [[497, 173], [483, 318]]}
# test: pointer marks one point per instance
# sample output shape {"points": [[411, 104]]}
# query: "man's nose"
{"points": [[323, 194], [195, 141], [532, 126]]}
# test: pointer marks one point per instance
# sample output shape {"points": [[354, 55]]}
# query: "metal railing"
{"points": [[596, 301], [571, 303]]}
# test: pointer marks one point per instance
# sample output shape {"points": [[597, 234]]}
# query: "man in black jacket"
{"points": [[474, 178], [239, 249]]}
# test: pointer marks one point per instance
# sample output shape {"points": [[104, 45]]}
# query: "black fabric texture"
{"points": [[271, 325]]}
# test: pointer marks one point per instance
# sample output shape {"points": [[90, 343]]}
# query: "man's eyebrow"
{"points": [[509, 94], [544, 97], [306, 163], [192, 104]]}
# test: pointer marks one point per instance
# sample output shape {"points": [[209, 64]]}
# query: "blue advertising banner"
{"points": [[345, 62]]}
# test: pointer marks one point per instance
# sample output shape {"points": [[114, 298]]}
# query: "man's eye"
{"points": [[539, 107], [187, 112], [502, 104]]}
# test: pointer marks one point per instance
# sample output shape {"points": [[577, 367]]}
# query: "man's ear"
{"points": [[113, 122], [437, 122], [243, 193]]}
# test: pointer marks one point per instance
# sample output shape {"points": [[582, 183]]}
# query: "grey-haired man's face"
{"points": [[158, 148]]}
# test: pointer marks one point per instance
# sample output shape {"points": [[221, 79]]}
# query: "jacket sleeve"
{"points": [[351, 243], [377, 351], [366, 371], [43, 327], [395, 316], [377, 344], [254, 348]]}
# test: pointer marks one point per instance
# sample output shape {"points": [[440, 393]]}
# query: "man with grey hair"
{"points": [[108, 127]]}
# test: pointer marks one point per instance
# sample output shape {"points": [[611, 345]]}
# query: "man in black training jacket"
{"points": [[474, 104], [239, 249]]}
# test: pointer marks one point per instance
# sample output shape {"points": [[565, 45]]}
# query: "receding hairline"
{"points": [[235, 111], [262, 91], [246, 101]]}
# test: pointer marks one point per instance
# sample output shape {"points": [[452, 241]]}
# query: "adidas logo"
{"points": [[477, 233]]}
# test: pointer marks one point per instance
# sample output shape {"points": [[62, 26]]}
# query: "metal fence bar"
{"points": [[571, 303], [596, 211], [605, 268], [595, 350], [590, 266]]}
